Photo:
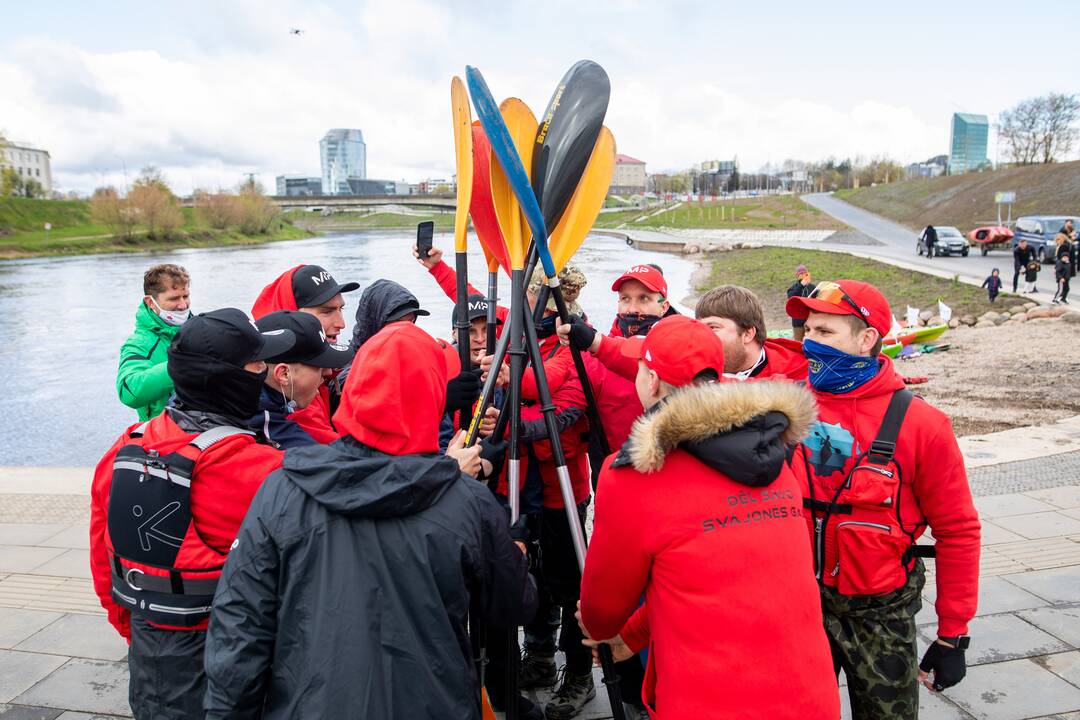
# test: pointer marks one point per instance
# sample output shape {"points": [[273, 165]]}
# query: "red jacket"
{"points": [[783, 358], [934, 490], [315, 418], [732, 616], [226, 477], [617, 397]]}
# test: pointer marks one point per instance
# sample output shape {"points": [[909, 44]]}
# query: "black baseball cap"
{"points": [[312, 347], [231, 336], [478, 308], [409, 306], [312, 285]]}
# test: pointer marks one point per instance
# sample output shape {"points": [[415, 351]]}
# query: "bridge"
{"points": [[342, 202]]}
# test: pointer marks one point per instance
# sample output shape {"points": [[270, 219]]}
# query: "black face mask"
{"points": [[631, 324], [210, 385]]}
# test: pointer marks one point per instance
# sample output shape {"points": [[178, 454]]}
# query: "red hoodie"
{"points": [[315, 418], [934, 488], [732, 617], [226, 477], [447, 279], [401, 355]]}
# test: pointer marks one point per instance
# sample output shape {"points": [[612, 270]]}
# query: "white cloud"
{"points": [[237, 93]]}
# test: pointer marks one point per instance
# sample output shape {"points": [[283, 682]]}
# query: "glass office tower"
{"points": [[967, 142], [343, 156]]}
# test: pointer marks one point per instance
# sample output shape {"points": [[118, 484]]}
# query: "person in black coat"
{"points": [[351, 579], [1063, 269], [802, 287], [1022, 255], [929, 239]]}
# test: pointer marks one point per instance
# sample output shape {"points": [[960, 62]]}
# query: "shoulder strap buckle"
{"points": [[215, 435]]}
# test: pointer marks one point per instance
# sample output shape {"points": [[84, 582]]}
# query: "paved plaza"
{"points": [[59, 658]]}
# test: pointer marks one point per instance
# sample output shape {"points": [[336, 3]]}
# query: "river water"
{"points": [[62, 321]]}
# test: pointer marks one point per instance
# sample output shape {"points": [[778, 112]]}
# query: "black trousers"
{"points": [[1016, 276], [166, 668], [558, 581]]}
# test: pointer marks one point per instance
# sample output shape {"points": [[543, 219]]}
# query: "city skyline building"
{"points": [[967, 142], [29, 161], [343, 156]]}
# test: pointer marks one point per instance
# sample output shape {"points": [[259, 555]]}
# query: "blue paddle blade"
{"points": [[487, 110]]}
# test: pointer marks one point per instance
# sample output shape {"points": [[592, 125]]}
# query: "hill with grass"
{"points": [[967, 201]]}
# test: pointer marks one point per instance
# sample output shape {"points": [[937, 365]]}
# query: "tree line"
{"points": [[1039, 130], [150, 207]]}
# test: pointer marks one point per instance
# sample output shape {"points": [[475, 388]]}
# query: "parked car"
{"points": [[950, 241], [1039, 231]]}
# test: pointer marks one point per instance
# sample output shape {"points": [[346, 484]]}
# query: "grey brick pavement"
{"points": [[1041, 473]]}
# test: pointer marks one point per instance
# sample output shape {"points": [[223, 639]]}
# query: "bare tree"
{"points": [[254, 211], [1039, 129], [157, 207], [112, 211], [1058, 133], [218, 210]]}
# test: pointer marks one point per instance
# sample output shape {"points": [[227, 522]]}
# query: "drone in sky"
{"points": [[296, 31]]}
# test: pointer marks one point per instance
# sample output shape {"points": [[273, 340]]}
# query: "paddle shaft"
{"points": [[492, 318], [577, 532], [592, 409], [461, 323]]}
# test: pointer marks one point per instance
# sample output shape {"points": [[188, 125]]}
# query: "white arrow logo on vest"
{"points": [[150, 529]]}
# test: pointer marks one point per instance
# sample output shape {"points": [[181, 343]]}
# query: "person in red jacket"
{"points": [[167, 500], [699, 513], [310, 289], [878, 468]]}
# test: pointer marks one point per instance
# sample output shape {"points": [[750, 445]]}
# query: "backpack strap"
{"points": [[215, 435], [883, 448]]}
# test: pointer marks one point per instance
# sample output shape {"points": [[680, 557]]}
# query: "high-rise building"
{"points": [[343, 156], [294, 185], [967, 142]]}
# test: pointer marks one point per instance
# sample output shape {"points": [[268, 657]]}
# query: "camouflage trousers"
{"points": [[873, 639]]}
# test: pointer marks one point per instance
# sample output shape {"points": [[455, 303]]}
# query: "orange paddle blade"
{"points": [[459, 101], [521, 123], [586, 202]]}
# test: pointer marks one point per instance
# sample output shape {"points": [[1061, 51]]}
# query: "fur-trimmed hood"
{"points": [[742, 429]]}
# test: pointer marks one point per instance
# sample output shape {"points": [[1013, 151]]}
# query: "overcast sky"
{"points": [[209, 90]]}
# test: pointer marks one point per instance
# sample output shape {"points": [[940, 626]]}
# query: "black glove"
{"points": [[494, 453], [462, 391], [581, 335], [519, 531], [947, 664]]}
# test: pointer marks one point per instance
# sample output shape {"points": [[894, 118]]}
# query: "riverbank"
{"points": [[356, 221], [771, 212]]}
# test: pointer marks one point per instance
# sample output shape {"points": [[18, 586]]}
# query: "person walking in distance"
{"points": [[1022, 255], [802, 287]]}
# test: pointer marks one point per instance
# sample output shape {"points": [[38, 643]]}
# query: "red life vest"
{"points": [[859, 541], [162, 570]]}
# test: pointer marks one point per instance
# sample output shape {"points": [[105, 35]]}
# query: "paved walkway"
{"points": [[59, 658]]}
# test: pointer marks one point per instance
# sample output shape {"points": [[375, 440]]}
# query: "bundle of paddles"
{"points": [[533, 189]]}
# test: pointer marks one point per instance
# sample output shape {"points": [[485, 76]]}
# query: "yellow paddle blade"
{"points": [[459, 101], [521, 123], [586, 202]]}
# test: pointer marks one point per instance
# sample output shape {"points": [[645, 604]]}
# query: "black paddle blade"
{"points": [[566, 136]]}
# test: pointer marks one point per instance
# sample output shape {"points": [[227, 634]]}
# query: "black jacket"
{"points": [[273, 422], [1022, 256], [797, 289], [347, 591]]}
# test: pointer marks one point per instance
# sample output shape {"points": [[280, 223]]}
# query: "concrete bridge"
{"points": [[343, 202]]}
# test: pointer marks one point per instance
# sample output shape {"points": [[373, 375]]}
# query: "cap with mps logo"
{"points": [[312, 286], [845, 297], [647, 275]]}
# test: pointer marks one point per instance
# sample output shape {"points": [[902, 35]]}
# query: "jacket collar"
{"points": [[149, 320]]}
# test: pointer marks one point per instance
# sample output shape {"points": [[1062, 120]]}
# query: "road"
{"points": [[899, 247]]}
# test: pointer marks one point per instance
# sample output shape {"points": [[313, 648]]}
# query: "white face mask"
{"points": [[175, 318]]}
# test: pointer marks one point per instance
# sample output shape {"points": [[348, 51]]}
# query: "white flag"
{"points": [[912, 316], [944, 311], [895, 329]]}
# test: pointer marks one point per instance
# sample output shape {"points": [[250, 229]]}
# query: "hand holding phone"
{"points": [[424, 233]]}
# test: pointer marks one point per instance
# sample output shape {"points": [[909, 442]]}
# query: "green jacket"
{"points": [[142, 380]]}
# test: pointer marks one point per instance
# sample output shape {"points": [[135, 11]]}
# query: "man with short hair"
{"points": [[313, 290], [722, 557], [167, 500], [1022, 255], [142, 379], [294, 378], [879, 467], [353, 574], [800, 288], [735, 314]]}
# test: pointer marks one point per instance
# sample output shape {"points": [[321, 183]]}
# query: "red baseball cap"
{"points": [[678, 348], [647, 275], [845, 297]]}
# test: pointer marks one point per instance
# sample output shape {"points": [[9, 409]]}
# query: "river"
{"points": [[62, 321]]}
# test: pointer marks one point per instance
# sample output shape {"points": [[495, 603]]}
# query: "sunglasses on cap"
{"points": [[831, 293]]}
